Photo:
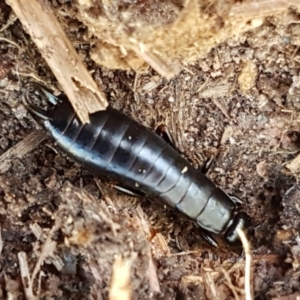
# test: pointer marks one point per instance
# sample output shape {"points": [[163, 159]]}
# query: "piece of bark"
{"points": [[61, 57]]}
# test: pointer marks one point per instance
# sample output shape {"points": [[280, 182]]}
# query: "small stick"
{"points": [[30, 142], [248, 260], [155, 62], [61, 57]]}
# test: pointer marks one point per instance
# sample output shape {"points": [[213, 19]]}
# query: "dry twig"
{"points": [[27, 280], [30, 142], [61, 57]]}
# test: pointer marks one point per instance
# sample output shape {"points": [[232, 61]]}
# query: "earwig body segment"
{"points": [[115, 147]]}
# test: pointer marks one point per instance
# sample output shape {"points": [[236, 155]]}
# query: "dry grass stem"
{"points": [[10, 42], [185, 253], [12, 19], [29, 143], [210, 285], [156, 63], [31, 75], [248, 260], [230, 285], [25, 276], [27, 280], [61, 57], [47, 250], [221, 107]]}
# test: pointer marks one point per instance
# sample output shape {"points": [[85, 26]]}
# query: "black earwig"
{"points": [[116, 147]]}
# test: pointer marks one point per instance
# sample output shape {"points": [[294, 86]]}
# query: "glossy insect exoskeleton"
{"points": [[116, 147]]}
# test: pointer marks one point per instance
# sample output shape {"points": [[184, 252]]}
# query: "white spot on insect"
{"points": [[140, 170], [136, 184], [144, 171], [184, 170], [129, 137]]}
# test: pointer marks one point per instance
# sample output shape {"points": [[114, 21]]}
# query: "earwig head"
{"points": [[38, 90], [243, 222]]}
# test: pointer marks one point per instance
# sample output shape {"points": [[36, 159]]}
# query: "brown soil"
{"points": [[238, 103]]}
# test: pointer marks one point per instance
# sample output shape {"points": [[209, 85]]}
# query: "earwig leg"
{"points": [[127, 191], [163, 131], [206, 166], [208, 238], [235, 199]]}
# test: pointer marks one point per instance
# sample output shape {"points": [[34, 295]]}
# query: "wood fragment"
{"points": [[61, 57], [228, 132], [120, 288], [294, 165], [152, 276], [30, 142], [214, 91]]}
